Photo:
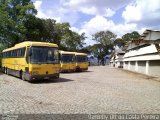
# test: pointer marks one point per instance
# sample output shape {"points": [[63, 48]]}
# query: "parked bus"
{"points": [[81, 62], [32, 60], [67, 61]]}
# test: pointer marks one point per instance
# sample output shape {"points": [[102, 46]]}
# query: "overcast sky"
{"points": [[91, 16]]}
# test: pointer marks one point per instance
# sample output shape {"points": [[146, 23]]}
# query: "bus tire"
{"points": [[23, 76], [7, 71], [57, 77], [78, 69], [4, 70]]}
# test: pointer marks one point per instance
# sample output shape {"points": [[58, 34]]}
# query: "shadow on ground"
{"points": [[52, 81]]}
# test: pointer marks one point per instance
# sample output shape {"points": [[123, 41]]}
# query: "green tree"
{"points": [[68, 39], [95, 49], [131, 36], [119, 42], [2, 47], [35, 29], [62, 34], [13, 15], [74, 41], [104, 41]]}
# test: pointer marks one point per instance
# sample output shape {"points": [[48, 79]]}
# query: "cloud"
{"points": [[143, 12], [37, 4], [100, 23], [138, 15], [57, 12], [45, 14], [105, 8]]}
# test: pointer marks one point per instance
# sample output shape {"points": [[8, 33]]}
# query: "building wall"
{"points": [[142, 67], [116, 64], [125, 65], [152, 36], [154, 68], [141, 51], [132, 65]]}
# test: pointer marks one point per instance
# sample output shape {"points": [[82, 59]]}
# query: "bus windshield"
{"points": [[44, 55], [68, 58], [81, 58]]}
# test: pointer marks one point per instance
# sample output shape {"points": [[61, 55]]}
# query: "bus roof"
{"points": [[66, 52], [81, 54], [30, 43]]}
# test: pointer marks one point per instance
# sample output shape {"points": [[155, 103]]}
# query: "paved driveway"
{"points": [[100, 90]]}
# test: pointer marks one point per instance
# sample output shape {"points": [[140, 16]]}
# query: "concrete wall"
{"points": [[132, 65], [119, 64], [125, 65], [142, 67], [141, 51], [135, 66], [151, 68], [152, 36], [154, 68]]}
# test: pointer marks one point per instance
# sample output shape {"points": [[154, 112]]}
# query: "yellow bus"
{"points": [[67, 61], [81, 61], [32, 60]]}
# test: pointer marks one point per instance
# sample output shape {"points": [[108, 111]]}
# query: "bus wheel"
{"points": [[4, 70], [78, 69], [7, 71], [57, 76], [22, 75]]}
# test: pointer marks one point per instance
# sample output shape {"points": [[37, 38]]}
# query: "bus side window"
{"points": [[18, 53], [12, 53], [22, 52], [3, 54], [60, 57]]}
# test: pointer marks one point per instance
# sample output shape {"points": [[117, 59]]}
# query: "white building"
{"points": [[143, 55], [117, 58]]}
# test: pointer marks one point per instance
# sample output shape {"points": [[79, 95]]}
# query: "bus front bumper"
{"points": [[84, 68], [41, 77], [81, 69], [68, 70]]}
